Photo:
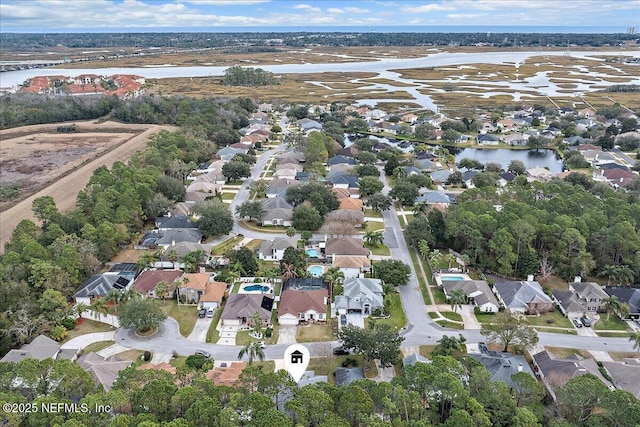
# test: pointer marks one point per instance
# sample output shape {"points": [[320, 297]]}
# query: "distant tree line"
{"points": [[248, 76], [624, 88]]}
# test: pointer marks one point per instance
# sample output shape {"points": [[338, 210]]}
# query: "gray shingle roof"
{"points": [[100, 285], [275, 203], [345, 376], [631, 296], [279, 243], [413, 358], [569, 301], [177, 235], [516, 295], [502, 365], [42, 347]]}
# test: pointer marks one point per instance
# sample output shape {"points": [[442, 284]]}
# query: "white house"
{"points": [[273, 250]]}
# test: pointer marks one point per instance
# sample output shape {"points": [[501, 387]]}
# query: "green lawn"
{"points": [[422, 281], [452, 316], [314, 332], [556, 331], [485, 317], [613, 324], [213, 335], [553, 318], [372, 213], [439, 296], [243, 338], [447, 324], [380, 250], [87, 327], [222, 248], [254, 244], [185, 315], [374, 226], [398, 319], [620, 334], [228, 196], [97, 346]]}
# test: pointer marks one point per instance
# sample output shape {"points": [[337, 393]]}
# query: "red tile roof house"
{"points": [[302, 306], [618, 177], [213, 294], [192, 287], [147, 281]]}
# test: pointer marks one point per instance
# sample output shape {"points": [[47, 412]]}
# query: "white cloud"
{"points": [[426, 8], [356, 10], [335, 10], [466, 16], [223, 2]]}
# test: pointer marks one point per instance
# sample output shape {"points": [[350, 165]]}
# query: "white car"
{"points": [[261, 344]]}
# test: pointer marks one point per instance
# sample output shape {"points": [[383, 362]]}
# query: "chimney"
{"points": [[519, 367], [577, 279], [530, 278]]}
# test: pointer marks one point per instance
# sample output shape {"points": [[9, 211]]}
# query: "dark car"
{"points": [[577, 323], [586, 322], [202, 312], [203, 353], [343, 319], [340, 351], [483, 347]]}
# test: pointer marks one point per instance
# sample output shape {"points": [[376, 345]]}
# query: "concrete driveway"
{"points": [[200, 329], [469, 317], [287, 334], [228, 335], [355, 319]]}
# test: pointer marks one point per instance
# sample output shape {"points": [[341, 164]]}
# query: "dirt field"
{"points": [[119, 142]]}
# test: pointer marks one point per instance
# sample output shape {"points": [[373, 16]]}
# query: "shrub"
{"points": [[69, 323], [146, 356]]}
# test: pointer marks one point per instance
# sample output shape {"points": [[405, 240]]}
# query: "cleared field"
{"points": [[64, 185]]}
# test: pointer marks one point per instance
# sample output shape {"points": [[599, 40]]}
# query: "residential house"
{"points": [[477, 293], [488, 139], [279, 216], [303, 177], [624, 375], [410, 118], [192, 287], [305, 284], [204, 187], [296, 166], [99, 285], [147, 281], [350, 151], [273, 250], [178, 235], [345, 376], [539, 174], [239, 309], [264, 107], [502, 365], [286, 173], [507, 125], [411, 171], [516, 139], [302, 306], [213, 294], [162, 366], [227, 153], [164, 223], [556, 372], [629, 296], [591, 295], [523, 297], [42, 347], [345, 181], [226, 373], [104, 371], [426, 165], [336, 246], [360, 295], [193, 197], [352, 266], [586, 113], [618, 177], [439, 177], [341, 193], [506, 178], [308, 125], [336, 160], [487, 127], [351, 204], [340, 169], [569, 304], [434, 197], [279, 186], [181, 249], [125, 269]]}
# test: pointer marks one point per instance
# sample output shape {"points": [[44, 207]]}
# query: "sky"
{"points": [[215, 15]]}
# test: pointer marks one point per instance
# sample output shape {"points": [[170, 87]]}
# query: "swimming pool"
{"points": [[257, 288], [312, 253], [452, 278], [316, 270]]}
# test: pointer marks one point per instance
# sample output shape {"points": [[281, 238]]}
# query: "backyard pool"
{"points": [[312, 253], [316, 270], [256, 287], [453, 278]]}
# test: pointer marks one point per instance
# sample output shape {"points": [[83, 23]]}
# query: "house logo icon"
{"points": [[296, 357]]}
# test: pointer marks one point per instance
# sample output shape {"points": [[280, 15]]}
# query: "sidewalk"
{"points": [[84, 340], [102, 318]]}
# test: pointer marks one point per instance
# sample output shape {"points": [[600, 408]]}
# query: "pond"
{"points": [[531, 158]]}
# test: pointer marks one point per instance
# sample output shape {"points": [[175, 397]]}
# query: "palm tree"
{"points": [[456, 299], [635, 338], [423, 248], [420, 209], [450, 259], [333, 276], [290, 271], [99, 307], [256, 322], [185, 282], [388, 289], [608, 270], [434, 258], [612, 305], [114, 297], [129, 295], [80, 308], [252, 350], [172, 256], [291, 232], [232, 276], [373, 238], [162, 290]]}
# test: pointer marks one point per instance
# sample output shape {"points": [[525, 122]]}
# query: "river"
{"points": [[531, 158], [383, 66]]}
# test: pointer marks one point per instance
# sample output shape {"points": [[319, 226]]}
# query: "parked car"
{"points": [[341, 351], [261, 344], [586, 322], [202, 312], [210, 312], [203, 353], [343, 319], [577, 323], [483, 347]]}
